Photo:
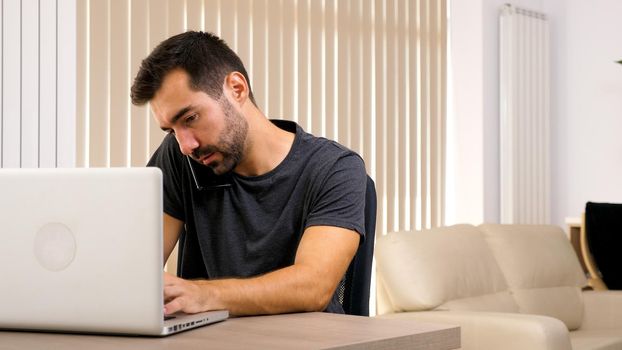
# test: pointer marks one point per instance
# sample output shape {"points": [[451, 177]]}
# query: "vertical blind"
{"points": [[368, 73], [37, 83]]}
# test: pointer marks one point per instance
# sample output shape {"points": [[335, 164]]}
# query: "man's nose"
{"points": [[187, 142]]}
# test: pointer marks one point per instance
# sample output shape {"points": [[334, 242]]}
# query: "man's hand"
{"points": [[184, 295]]}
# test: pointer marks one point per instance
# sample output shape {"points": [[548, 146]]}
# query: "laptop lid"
{"points": [[81, 250]]}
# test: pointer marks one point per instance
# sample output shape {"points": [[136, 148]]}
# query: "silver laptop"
{"points": [[81, 251]]}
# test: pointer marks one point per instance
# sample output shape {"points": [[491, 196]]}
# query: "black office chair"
{"points": [[603, 235], [353, 290]]}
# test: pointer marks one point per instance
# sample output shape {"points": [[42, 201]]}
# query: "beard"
{"points": [[231, 142]]}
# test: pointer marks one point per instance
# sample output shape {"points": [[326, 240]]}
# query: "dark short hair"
{"points": [[205, 57]]}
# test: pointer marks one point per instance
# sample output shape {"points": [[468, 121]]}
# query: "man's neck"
{"points": [[266, 145]]}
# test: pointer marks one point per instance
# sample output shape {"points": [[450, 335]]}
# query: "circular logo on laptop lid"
{"points": [[55, 246]]}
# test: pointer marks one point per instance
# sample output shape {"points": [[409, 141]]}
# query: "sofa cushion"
{"points": [[496, 302], [426, 269], [541, 269], [604, 339], [564, 303]]}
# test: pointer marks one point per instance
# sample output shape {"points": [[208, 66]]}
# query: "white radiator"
{"points": [[524, 124], [38, 83]]}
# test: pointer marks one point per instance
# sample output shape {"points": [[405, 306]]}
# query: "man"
{"points": [[276, 213]]}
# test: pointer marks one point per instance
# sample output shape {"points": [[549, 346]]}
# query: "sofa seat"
{"points": [[507, 286], [602, 339], [498, 330]]}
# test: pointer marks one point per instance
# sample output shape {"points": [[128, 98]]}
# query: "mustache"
{"points": [[201, 152]]}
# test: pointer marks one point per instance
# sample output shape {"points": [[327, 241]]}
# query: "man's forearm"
{"points": [[291, 289], [281, 291]]}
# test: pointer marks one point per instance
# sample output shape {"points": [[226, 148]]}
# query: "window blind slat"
{"points": [[317, 105], [3, 149], [414, 106], [443, 110], [425, 114], [212, 16], [260, 66], [302, 15], [356, 72], [274, 60], [82, 24], [381, 115], [244, 37], [392, 111], [289, 65], [11, 83], [402, 102], [368, 89], [66, 91], [30, 82], [434, 112], [119, 83], [99, 108], [343, 72], [228, 19], [48, 76], [139, 48], [330, 68], [176, 12], [159, 31], [194, 15]]}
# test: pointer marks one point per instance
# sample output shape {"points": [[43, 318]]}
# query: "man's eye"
{"points": [[191, 118]]}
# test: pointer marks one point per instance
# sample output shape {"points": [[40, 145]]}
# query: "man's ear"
{"points": [[236, 86]]}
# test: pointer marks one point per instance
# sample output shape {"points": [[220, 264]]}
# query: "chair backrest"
{"points": [[353, 291], [603, 229]]}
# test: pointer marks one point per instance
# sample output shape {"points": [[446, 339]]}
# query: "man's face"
{"points": [[211, 131]]}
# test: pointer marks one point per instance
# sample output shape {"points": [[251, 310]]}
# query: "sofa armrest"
{"points": [[491, 330], [602, 310]]}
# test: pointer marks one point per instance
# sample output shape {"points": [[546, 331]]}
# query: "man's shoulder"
{"points": [[318, 154], [326, 150]]}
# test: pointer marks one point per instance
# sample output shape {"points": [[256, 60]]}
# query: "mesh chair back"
{"points": [[353, 291]]}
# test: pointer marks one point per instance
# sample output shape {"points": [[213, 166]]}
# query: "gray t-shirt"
{"points": [[248, 226]]}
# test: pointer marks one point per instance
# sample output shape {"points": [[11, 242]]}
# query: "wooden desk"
{"points": [[294, 331]]}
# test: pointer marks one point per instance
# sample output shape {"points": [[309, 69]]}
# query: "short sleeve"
{"points": [[170, 160], [340, 196]]}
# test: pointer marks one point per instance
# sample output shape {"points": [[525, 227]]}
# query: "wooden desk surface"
{"points": [[294, 331]]}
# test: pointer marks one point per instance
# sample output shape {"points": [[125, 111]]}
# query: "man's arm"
{"points": [[322, 258], [172, 229]]}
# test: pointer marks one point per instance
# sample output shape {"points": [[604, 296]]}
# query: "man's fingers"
{"points": [[173, 290], [173, 306], [180, 295]]}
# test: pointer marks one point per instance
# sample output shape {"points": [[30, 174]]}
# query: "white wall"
{"points": [[586, 106], [475, 120], [587, 124], [465, 182]]}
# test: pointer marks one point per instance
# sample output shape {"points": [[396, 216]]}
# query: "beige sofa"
{"points": [[507, 286]]}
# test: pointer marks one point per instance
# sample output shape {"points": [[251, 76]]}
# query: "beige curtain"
{"points": [[370, 74]]}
